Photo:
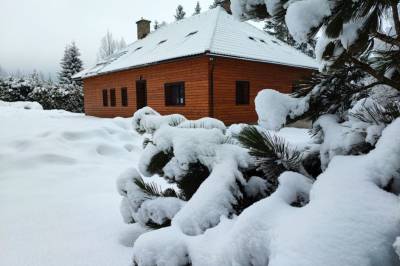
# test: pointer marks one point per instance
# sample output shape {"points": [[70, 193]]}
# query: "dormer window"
{"points": [[192, 33]]}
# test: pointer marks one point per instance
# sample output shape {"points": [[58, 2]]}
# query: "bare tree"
{"points": [[109, 46]]}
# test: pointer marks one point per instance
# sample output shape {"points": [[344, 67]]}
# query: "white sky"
{"points": [[34, 32]]}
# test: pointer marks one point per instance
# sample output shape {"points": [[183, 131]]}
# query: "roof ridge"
{"points": [[215, 28]]}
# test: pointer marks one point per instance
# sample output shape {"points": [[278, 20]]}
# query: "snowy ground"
{"points": [[58, 198], [58, 201]]}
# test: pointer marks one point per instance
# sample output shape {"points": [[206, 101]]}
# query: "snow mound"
{"points": [[273, 108], [206, 122], [22, 105]]}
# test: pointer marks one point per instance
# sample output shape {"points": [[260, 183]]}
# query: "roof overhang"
{"points": [[207, 53]]}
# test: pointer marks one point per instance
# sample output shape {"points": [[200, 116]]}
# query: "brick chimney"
{"points": [[226, 4], [143, 28]]}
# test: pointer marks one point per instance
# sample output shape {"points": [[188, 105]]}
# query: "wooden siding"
{"points": [[193, 71], [201, 75], [260, 75]]}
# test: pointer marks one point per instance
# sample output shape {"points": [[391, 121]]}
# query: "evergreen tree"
{"points": [[279, 30], [372, 48], [180, 13], [197, 9], [70, 65]]}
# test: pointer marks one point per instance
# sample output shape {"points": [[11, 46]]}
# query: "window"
{"points": [[105, 98], [175, 93], [161, 42], [124, 96], [252, 38], [242, 92], [113, 101], [192, 33]]}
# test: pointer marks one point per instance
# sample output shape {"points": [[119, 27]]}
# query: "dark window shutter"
{"points": [[242, 92], [124, 97], [105, 98]]}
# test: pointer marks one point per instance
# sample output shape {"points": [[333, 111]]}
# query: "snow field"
{"points": [[58, 201]]}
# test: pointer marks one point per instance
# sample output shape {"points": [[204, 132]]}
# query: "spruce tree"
{"points": [[70, 65], [197, 9], [180, 13], [279, 30]]}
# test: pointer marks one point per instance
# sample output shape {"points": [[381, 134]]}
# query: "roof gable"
{"points": [[215, 32]]}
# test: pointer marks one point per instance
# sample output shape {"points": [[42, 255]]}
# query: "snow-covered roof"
{"points": [[213, 32]]}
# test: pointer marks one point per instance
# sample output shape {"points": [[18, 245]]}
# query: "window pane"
{"points": [[113, 101], [105, 98], [124, 97], [242, 92], [175, 93]]}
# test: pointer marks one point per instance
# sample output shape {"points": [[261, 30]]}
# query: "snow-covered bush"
{"points": [[146, 204], [139, 115], [345, 212], [50, 96], [273, 108]]}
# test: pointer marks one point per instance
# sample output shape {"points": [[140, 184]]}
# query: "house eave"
{"points": [[143, 65], [207, 53], [259, 60]]}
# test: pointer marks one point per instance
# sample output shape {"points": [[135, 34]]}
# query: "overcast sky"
{"points": [[33, 33]]}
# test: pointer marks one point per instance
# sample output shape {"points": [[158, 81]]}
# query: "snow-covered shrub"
{"points": [[50, 96], [14, 90], [146, 203], [206, 122], [147, 120], [139, 115], [182, 155], [273, 108], [348, 210], [69, 98], [150, 123]]}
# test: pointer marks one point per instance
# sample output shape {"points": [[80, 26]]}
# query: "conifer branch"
{"points": [[368, 69], [154, 190], [272, 154], [387, 38], [396, 17]]}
